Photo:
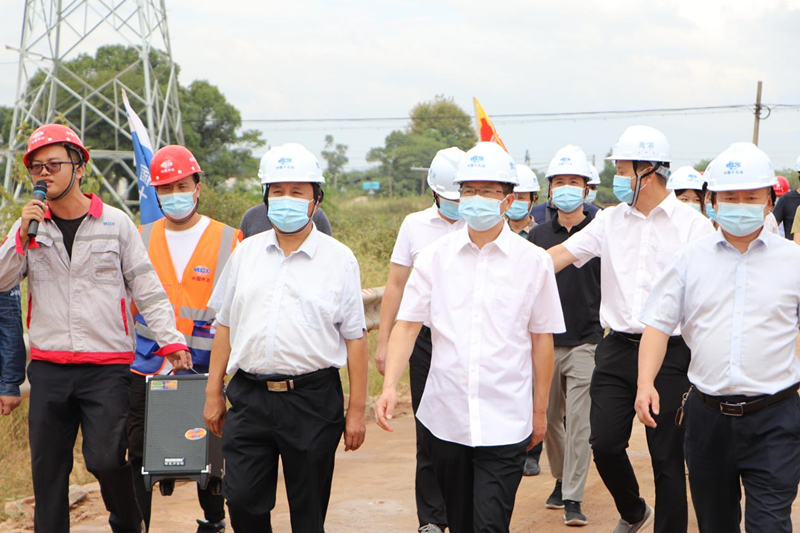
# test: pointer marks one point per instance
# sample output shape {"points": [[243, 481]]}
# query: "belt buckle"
{"points": [[732, 409], [280, 386]]}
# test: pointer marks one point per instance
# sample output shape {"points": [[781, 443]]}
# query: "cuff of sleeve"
{"points": [[401, 262], [171, 348], [7, 389], [352, 334], [18, 243], [410, 316], [660, 325], [580, 260]]}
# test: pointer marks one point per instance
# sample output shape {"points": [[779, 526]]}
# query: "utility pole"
{"points": [[391, 190], [757, 120]]}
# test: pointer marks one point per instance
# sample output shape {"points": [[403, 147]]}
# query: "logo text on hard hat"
{"points": [[565, 160], [734, 167], [476, 161], [285, 163]]}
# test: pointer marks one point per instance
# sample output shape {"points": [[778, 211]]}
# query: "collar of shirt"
{"points": [[309, 246], [501, 242], [558, 227], [720, 240], [667, 205]]}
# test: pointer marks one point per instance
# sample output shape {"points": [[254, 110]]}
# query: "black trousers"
{"points": [[760, 450], [613, 392], [430, 503], [479, 484], [303, 427], [95, 399], [213, 506]]}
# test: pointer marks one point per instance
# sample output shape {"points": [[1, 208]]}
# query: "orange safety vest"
{"points": [[189, 298]]}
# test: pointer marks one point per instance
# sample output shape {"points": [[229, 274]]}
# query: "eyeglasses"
{"points": [[466, 193], [52, 167]]}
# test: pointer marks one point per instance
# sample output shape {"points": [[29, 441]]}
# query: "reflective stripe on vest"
{"points": [[192, 341]]}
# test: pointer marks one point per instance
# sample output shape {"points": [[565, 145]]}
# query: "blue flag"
{"points": [[143, 153]]}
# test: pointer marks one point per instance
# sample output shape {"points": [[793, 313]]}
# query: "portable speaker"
{"points": [[177, 443]]}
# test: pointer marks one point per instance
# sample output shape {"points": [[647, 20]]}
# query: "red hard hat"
{"points": [[53, 134], [172, 163], [782, 187]]}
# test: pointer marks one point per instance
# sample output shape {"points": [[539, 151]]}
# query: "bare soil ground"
{"points": [[373, 490]]}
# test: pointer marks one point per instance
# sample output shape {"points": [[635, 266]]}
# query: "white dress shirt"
{"points": [[482, 305], [739, 313], [289, 315], [634, 249], [418, 231]]}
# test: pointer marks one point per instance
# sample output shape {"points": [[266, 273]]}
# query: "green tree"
{"points": [[335, 156], [701, 165], [435, 124], [6, 114], [446, 119]]}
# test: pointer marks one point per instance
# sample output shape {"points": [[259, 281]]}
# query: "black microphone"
{"points": [[39, 193]]}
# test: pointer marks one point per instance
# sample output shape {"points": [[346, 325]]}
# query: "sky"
{"points": [[311, 59]]}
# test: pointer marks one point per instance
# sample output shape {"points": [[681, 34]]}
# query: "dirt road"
{"points": [[373, 490]]}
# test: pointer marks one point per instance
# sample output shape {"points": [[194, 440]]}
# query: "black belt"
{"points": [[636, 338], [742, 408], [283, 383]]}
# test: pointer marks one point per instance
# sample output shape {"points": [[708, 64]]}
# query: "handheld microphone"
{"points": [[39, 193]]}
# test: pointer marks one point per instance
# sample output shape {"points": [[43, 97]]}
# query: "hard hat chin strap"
{"points": [[69, 187], [639, 177]]}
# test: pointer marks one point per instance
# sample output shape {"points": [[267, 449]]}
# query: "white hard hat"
{"points": [[528, 182], [487, 161], [797, 164], [569, 160], [743, 166], [595, 175], [291, 162], [641, 143], [442, 173], [685, 178]]}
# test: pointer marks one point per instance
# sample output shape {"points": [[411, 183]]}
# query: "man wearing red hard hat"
{"points": [[84, 262], [188, 252]]}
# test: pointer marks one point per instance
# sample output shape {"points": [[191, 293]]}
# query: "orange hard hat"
{"points": [[53, 134], [782, 187], [172, 163]]}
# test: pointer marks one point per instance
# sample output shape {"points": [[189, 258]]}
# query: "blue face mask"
{"points": [[288, 214], [568, 198], [622, 189], [694, 206], [740, 219], [518, 210], [177, 205], [591, 196], [449, 209], [480, 213], [710, 212]]}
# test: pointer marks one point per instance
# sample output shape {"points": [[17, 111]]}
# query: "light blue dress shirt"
{"points": [[739, 313]]}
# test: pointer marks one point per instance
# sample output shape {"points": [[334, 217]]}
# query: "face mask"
{"points": [[480, 213], [449, 209], [568, 198], [712, 215], [740, 219], [177, 205], [694, 206], [288, 214], [591, 197], [622, 189], [518, 210]]}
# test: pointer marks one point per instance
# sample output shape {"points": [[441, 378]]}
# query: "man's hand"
{"points": [[380, 358], [539, 428], [354, 430], [8, 404], [384, 408], [181, 360], [33, 210], [214, 412], [646, 399]]}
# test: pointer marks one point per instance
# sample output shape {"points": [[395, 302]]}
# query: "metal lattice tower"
{"points": [[55, 32]]}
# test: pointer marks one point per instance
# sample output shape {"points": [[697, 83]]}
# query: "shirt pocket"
{"points": [[317, 310], [510, 308], [40, 260], [105, 263]]}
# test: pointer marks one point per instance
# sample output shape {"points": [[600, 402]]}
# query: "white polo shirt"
{"points": [[289, 315], [635, 250], [418, 231], [739, 313], [482, 305]]}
